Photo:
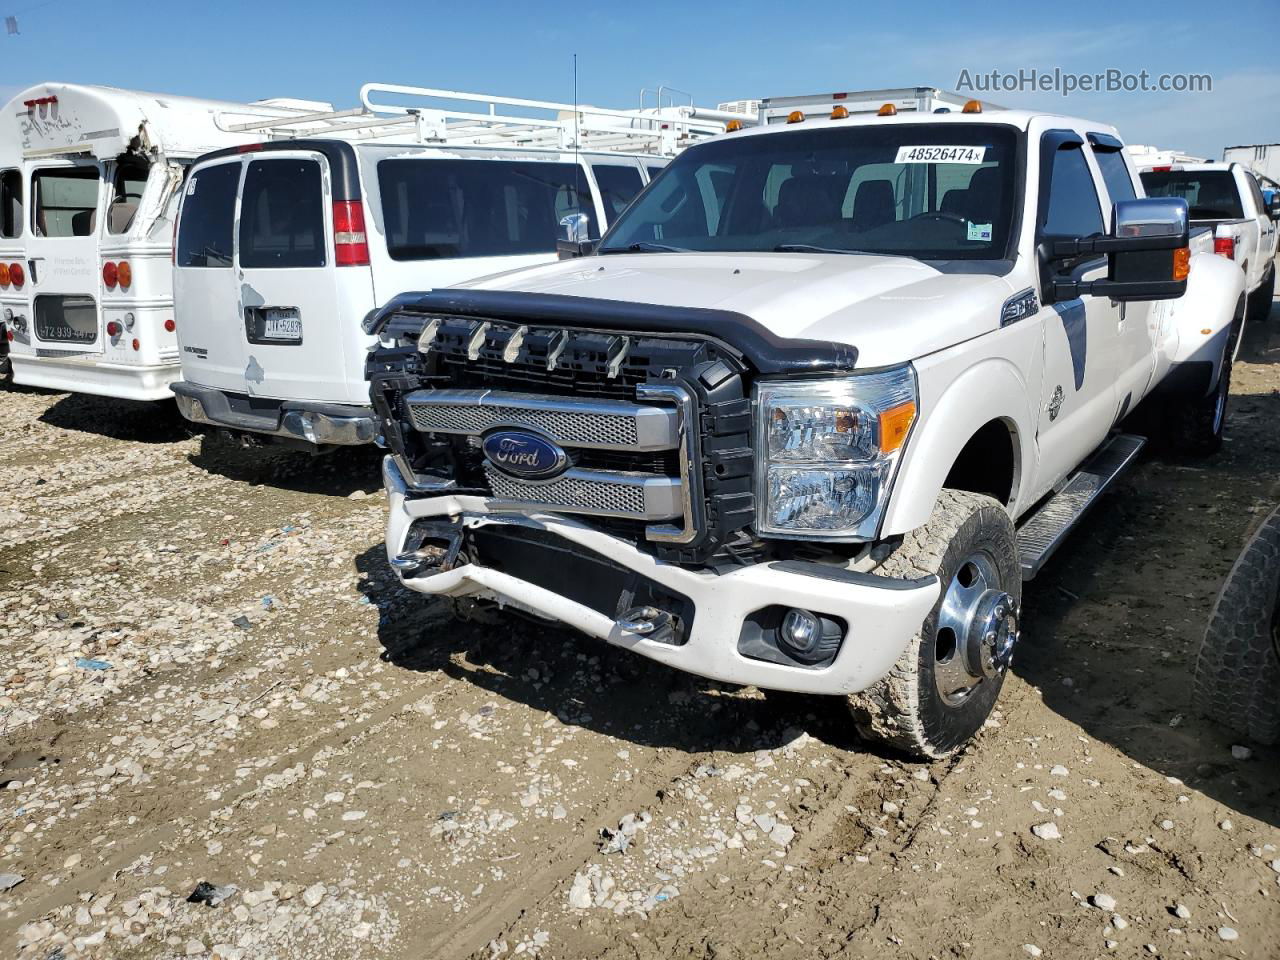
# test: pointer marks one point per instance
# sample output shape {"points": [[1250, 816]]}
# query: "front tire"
{"points": [[944, 686], [1237, 682]]}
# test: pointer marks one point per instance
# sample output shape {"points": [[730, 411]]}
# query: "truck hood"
{"points": [[892, 309]]}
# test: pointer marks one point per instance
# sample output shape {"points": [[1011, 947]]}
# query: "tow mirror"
{"points": [[1147, 253], [573, 240], [1273, 206]]}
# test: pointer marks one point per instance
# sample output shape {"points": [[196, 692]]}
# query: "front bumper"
{"points": [[882, 614], [298, 421]]}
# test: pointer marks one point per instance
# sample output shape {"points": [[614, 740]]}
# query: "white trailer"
{"points": [[89, 179], [1262, 158]]}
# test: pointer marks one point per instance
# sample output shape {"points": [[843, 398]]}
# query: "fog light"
{"points": [[801, 630]]}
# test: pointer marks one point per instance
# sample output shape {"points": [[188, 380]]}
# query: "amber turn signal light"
{"points": [[895, 424], [1181, 263]]}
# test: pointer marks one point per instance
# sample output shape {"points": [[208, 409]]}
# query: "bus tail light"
{"points": [[350, 243], [113, 329], [124, 274], [110, 275], [4, 275], [170, 326], [17, 276]]}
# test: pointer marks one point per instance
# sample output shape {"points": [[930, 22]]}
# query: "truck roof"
{"points": [[1021, 119]]}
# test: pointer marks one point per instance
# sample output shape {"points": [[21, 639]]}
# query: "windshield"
{"points": [[931, 191], [1210, 194]]}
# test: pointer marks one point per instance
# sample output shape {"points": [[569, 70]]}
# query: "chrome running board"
{"points": [[1045, 530]]}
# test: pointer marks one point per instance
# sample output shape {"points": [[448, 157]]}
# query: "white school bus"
{"points": [[89, 183]]}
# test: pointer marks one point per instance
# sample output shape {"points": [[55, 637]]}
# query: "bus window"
{"points": [[10, 204], [130, 181], [66, 201]]}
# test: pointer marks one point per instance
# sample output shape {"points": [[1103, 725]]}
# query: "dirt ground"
{"points": [[208, 674]]}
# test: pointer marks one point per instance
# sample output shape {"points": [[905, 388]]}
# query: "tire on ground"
{"points": [[1260, 300], [1237, 680], [905, 709], [1193, 425]]}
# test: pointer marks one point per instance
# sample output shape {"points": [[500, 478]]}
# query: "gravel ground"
{"points": [[212, 687]]}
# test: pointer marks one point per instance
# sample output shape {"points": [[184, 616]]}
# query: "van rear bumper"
{"points": [[305, 422]]}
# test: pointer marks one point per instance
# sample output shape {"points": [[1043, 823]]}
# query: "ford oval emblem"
{"points": [[524, 455]]}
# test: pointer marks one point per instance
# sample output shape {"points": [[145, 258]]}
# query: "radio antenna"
{"points": [[577, 135]]}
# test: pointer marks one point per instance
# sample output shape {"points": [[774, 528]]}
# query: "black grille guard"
{"points": [[767, 353]]}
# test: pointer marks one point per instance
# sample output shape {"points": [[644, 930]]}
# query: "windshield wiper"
{"points": [[645, 246], [811, 248]]}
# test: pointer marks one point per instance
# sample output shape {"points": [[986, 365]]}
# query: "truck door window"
{"points": [[618, 186], [1115, 174], [478, 208], [282, 215], [1210, 194], [10, 204], [1071, 207], [208, 216], [66, 202], [1259, 203], [126, 193]]}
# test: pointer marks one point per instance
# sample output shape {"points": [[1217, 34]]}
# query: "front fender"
{"points": [[993, 389]]}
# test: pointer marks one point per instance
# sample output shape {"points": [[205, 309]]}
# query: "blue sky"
{"points": [[718, 51]]}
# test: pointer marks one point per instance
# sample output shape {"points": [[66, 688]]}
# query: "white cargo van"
{"points": [[284, 247], [89, 180]]}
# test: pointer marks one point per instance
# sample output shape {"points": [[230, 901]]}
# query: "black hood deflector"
{"points": [[768, 353]]}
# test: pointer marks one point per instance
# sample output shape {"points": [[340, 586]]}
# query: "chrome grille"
{"points": [[593, 424], [601, 492]]}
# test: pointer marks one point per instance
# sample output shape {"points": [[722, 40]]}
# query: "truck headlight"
{"points": [[827, 451]]}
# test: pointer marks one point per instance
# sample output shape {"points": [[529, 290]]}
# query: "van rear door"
{"points": [[301, 294], [62, 257], [205, 292]]}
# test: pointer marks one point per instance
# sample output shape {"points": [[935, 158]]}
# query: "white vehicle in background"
{"points": [[89, 180], [1228, 198], [1262, 158], [285, 247], [1145, 155]]}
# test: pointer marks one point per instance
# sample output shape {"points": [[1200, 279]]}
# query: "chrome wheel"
{"points": [[976, 632]]}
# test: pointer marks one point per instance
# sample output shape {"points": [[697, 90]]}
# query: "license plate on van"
{"points": [[281, 323]]}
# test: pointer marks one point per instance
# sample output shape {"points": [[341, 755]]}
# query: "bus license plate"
{"points": [[281, 325]]}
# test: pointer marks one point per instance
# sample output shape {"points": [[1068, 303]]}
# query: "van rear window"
{"points": [[66, 201], [437, 209], [282, 215], [208, 216]]}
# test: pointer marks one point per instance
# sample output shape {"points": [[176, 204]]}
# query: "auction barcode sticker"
{"points": [[936, 153]]}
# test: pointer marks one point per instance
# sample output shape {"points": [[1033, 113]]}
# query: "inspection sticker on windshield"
{"points": [[934, 153], [979, 231]]}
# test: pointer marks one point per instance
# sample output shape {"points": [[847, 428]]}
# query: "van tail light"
{"points": [[110, 275], [17, 276], [350, 243], [1224, 244], [124, 274]]}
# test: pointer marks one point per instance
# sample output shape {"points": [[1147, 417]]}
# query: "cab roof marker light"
{"points": [[972, 106], [887, 110], [733, 126], [840, 113], [795, 116]]}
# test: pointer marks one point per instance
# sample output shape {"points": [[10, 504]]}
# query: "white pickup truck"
{"points": [[1228, 198], [813, 408]]}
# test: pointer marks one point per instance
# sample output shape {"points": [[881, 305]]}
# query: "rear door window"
{"points": [[282, 215], [66, 202], [10, 204], [1115, 175], [208, 216], [436, 209], [126, 195], [618, 186]]}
